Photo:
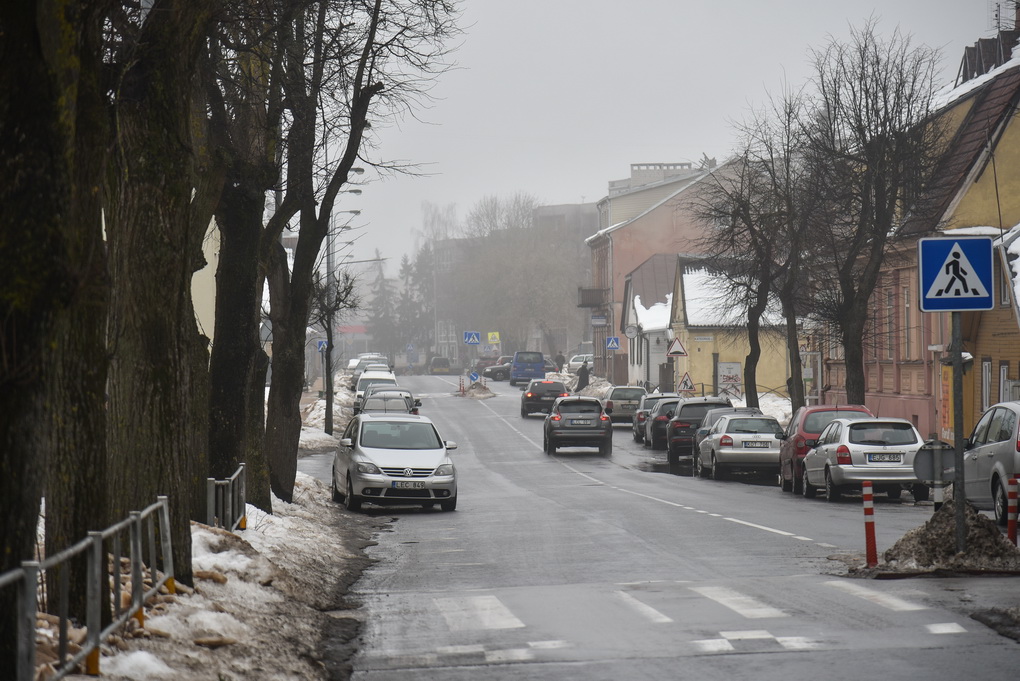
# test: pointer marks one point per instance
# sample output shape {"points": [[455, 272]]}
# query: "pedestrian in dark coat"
{"points": [[582, 377], [560, 359]]}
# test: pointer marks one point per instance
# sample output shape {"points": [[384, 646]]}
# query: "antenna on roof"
{"points": [[1002, 14]]}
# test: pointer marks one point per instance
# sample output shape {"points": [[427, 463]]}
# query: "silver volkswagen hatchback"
{"points": [[394, 459]]}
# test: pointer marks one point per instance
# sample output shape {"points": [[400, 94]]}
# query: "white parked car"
{"points": [[850, 451], [739, 441], [388, 459], [992, 457], [576, 361]]}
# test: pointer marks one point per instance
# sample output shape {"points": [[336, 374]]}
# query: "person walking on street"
{"points": [[560, 359], [582, 377]]}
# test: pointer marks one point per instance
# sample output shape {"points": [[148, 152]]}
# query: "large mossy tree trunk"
{"points": [[155, 248], [37, 77]]}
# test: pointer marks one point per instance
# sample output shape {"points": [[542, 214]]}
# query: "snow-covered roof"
{"points": [[654, 318], [707, 301]]}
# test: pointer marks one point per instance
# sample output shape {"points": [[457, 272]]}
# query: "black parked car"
{"points": [[578, 421], [655, 422], [641, 414], [540, 395], [684, 423], [500, 371]]}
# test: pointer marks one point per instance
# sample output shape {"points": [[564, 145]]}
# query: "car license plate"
{"points": [[580, 422], [754, 444], [884, 457], [408, 484]]}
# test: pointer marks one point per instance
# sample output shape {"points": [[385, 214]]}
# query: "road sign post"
{"points": [[956, 276]]}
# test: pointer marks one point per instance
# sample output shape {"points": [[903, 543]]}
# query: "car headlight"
{"points": [[371, 468], [444, 469]]}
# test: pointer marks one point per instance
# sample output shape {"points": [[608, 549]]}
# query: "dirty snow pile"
{"points": [[259, 605], [933, 545], [479, 391]]}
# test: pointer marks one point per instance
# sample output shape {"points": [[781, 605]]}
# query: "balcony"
{"points": [[592, 297]]}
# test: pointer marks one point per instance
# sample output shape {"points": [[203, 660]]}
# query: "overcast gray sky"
{"points": [[557, 97]]}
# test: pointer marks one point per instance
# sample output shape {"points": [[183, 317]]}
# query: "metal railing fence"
{"points": [[140, 530], [225, 501]]}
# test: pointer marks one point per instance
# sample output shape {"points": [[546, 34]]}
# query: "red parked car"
{"points": [[802, 434]]}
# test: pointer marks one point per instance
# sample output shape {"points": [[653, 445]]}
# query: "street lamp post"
{"points": [[330, 284]]}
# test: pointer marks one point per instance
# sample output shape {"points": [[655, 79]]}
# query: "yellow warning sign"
{"points": [[493, 337], [686, 384]]}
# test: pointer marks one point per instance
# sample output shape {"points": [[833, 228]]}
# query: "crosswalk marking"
{"points": [[739, 603], [945, 628], [876, 597], [477, 612], [646, 610]]}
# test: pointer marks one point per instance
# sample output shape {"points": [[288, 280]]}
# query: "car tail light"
{"points": [[529, 394], [726, 441], [555, 417], [799, 443], [609, 404], [642, 417], [603, 417], [680, 424], [564, 394], [661, 417], [843, 455]]}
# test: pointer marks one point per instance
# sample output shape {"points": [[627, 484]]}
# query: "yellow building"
{"points": [[710, 328]]}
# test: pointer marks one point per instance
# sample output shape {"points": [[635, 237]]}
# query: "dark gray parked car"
{"points": [[641, 413], [578, 421]]}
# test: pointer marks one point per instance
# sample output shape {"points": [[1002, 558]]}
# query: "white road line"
{"points": [[945, 628], [714, 645], [644, 609], [876, 597], [796, 642], [548, 645], [476, 612], [509, 655], [760, 527], [745, 606], [745, 635]]}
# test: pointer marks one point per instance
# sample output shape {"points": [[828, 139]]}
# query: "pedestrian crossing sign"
{"points": [[686, 384], [955, 274], [612, 343], [472, 338]]}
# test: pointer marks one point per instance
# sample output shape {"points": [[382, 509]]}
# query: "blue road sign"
{"points": [[613, 343], [322, 345], [472, 338], [955, 274], [473, 376]]}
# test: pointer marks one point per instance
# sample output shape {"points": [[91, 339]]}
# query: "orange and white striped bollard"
{"points": [[869, 524], [1011, 510]]}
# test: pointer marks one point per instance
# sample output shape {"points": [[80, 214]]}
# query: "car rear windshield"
{"points": [[580, 408], [697, 410], [399, 436], [882, 434], [440, 362], [530, 357], [385, 404], [756, 426], [548, 387], [365, 382], [627, 394], [816, 421]]}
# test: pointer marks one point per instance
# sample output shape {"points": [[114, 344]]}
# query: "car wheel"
{"points": [[606, 448], [337, 497], [674, 460], [638, 437], [353, 503], [1001, 504], [807, 488], [524, 413], [796, 483], [656, 444], [550, 446], [717, 470], [784, 484], [512, 383], [920, 492], [501, 376], [699, 467], [450, 505], [832, 492]]}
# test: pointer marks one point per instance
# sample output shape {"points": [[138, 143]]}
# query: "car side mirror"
{"points": [[450, 445], [345, 442], [669, 414], [417, 403], [811, 443], [966, 443]]}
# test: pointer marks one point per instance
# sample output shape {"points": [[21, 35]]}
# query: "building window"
{"points": [[986, 384], [1004, 381], [1004, 284], [908, 336], [890, 326]]}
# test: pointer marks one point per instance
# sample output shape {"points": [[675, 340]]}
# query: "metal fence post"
{"points": [[93, 601], [26, 621], [210, 502], [137, 585], [164, 537]]}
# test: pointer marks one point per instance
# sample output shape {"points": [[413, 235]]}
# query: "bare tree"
{"points": [[872, 146], [343, 63], [331, 297]]}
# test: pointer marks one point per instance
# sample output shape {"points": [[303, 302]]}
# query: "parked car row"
{"points": [[390, 454]]}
